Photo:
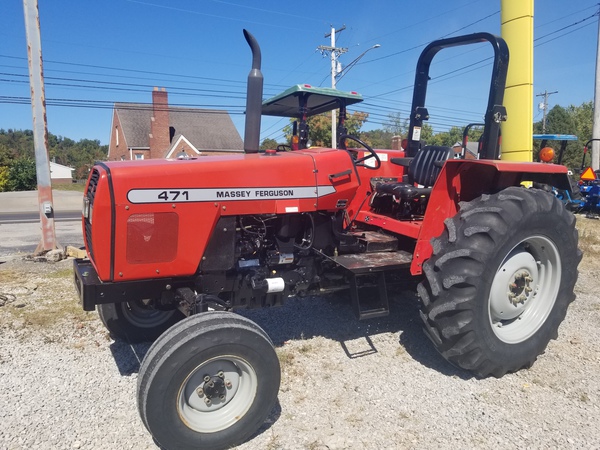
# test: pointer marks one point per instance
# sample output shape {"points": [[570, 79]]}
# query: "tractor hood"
{"points": [[175, 204]]}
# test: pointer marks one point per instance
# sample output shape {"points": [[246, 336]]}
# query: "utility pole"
{"points": [[596, 125], [335, 52], [544, 106], [40, 128]]}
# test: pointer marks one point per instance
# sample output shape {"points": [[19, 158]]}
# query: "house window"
{"points": [[117, 135], [139, 156]]}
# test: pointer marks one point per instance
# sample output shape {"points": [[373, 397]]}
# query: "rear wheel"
{"points": [[209, 382], [500, 280], [137, 321]]}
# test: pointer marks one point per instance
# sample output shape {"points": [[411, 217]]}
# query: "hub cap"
{"points": [[524, 289], [217, 394]]}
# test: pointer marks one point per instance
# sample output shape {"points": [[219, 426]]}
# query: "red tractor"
{"points": [[176, 246]]}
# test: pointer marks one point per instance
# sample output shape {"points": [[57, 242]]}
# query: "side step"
{"points": [[367, 273], [377, 306]]}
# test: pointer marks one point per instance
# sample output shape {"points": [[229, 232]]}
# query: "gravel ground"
{"points": [[379, 384]]}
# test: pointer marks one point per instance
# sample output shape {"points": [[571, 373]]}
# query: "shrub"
{"points": [[21, 175]]}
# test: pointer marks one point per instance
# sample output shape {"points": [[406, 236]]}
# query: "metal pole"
{"points": [[40, 128], [333, 74], [335, 53], [596, 126], [517, 30]]}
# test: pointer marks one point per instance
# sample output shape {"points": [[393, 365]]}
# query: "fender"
{"points": [[465, 180]]}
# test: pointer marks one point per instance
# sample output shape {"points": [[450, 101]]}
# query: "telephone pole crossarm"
{"points": [[545, 94]]}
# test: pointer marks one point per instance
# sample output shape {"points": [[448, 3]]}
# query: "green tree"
{"points": [[319, 126], [21, 175], [427, 133], [577, 120], [377, 138], [81, 155], [4, 178], [446, 138], [268, 144], [6, 155]]}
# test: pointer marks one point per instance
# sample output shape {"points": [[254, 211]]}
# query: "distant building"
{"points": [[60, 174], [142, 131]]}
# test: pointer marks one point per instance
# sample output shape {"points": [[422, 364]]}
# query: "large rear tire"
{"points": [[137, 321], [209, 382], [500, 280]]}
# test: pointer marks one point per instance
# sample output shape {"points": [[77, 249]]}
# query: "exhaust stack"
{"points": [[253, 98]]}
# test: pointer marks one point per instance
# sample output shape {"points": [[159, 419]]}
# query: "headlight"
{"points": [[86, 210]]}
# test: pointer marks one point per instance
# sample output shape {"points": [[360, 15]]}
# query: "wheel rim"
{"points": [[524, 289], [208, 408], [145, 316]]}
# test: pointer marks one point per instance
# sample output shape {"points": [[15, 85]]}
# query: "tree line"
{"points": [[576, 120], [17, 157]]}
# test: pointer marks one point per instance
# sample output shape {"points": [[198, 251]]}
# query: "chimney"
{"points": [[159, 124]]}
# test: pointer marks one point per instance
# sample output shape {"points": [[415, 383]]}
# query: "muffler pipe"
{"points": [[254, 95]]}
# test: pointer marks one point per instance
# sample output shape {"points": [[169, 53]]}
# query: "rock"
{"points": [[75, 252], [55, 255]]}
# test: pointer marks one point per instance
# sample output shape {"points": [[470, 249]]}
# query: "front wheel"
{"points": [[137, 321], [209, 382], [500, 280]]}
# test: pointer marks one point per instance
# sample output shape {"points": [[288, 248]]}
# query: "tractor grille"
{"points": [[90, 195]]}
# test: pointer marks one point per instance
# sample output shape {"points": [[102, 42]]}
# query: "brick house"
{"points": [[142, 131]]}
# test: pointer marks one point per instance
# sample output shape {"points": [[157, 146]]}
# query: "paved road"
{"points": [[19, 221]]}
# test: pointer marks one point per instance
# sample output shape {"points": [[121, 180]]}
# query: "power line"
{"points": [[147, 72], [233, 93], [463, 69]]}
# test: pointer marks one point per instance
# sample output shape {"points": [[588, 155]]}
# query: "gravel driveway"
{"points": [[346, 384]]}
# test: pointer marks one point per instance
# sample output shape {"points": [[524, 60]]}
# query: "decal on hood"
{"points": [[226, 194]]}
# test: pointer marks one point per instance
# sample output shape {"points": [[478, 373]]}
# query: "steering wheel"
{"points": [[360, 161], [284, 148]]}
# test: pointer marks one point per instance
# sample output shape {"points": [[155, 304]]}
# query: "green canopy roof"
{"points": [[318, 100]]}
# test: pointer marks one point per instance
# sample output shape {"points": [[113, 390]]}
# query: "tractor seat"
{"points": [[423, 170]]}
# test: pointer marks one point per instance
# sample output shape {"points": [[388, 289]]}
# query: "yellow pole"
{"points": [[517, 31]]}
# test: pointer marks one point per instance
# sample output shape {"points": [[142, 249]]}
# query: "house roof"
{"points": [[206, 129], [135, 123], [59, 166]]}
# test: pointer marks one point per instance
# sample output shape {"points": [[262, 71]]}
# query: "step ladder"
{"points": [[367, 278]]}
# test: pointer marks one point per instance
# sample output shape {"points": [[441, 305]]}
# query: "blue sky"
{"points": [[100, 52]]}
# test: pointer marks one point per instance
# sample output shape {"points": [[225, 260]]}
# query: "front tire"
{"points": [[209, 382], [500, 280]]}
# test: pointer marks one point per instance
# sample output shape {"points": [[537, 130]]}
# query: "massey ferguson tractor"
{"points": [[176, 246]]}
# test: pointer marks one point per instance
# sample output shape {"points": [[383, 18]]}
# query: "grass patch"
{"points": [[77, 187], [67, 272], [41, 298], [286, 358], [48, 316], [9, 276], [45, 316], [305, 348]]}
